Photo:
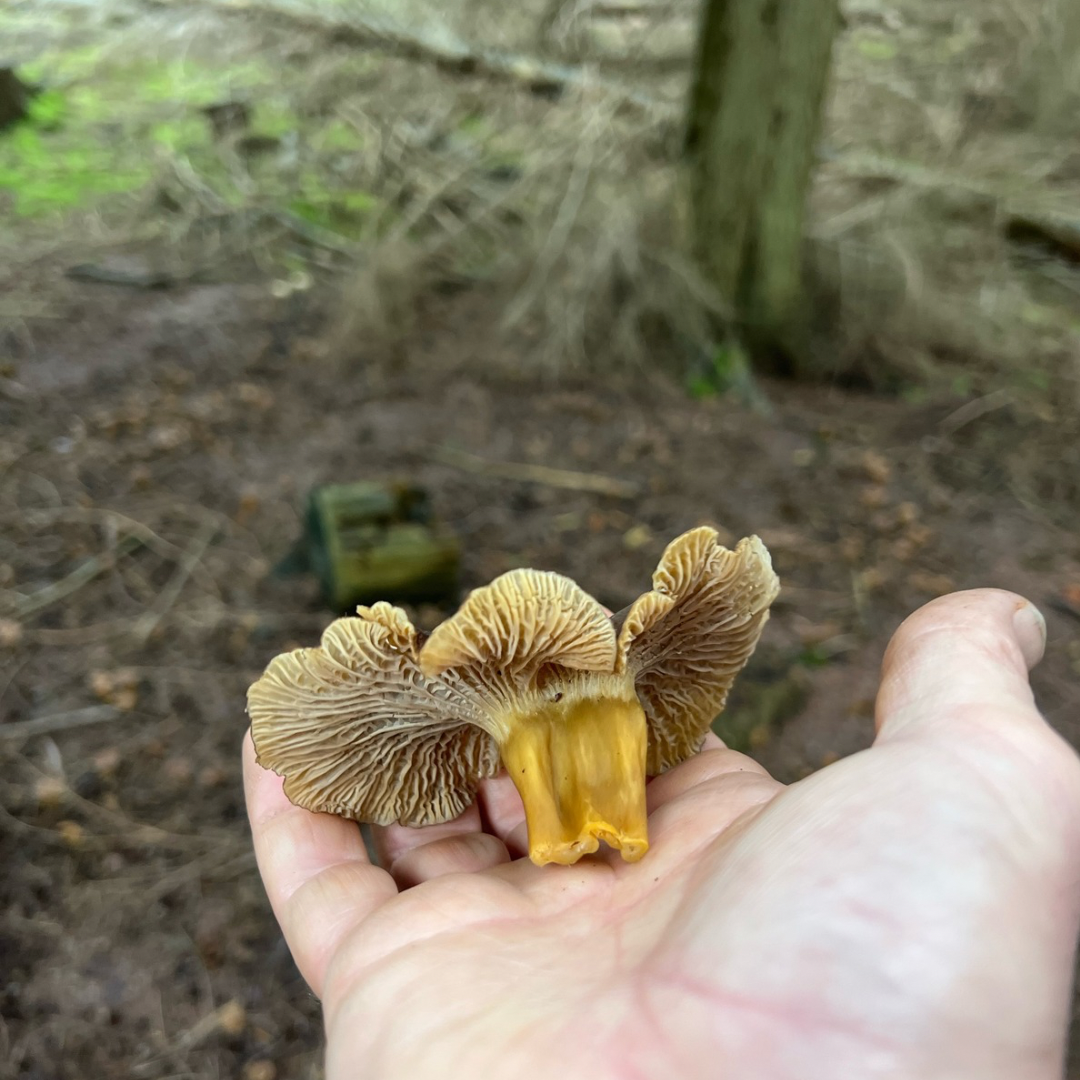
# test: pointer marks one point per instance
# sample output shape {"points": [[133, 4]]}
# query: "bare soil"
{"points": [[136, 938]]}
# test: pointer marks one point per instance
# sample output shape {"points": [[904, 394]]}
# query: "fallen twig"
{"points": [[538, 474], [82, 515], [973, 410], [438, 46], [80, 576], [65, 721], [1058, 231], [1020, 220], [146, 623], [313, 234], [131, 278]]}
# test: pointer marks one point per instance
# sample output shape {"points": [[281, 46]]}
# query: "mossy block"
{"points": [[367, 542]]}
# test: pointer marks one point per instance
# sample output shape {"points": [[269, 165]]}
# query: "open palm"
{"points": [[910, 911]]}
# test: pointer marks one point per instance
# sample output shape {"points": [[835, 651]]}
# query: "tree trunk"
{"points": [[1053, 81], [754, 116]]}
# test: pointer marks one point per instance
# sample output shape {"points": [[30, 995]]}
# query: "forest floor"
{"points": [[158, 439]]}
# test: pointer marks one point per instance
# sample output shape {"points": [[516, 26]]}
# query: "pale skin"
{"points": [[908, 912]]}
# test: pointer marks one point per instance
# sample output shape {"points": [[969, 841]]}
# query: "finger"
{"points": [[464, 853], [394, 841], [501, 807], [315, 870], [966, 656]]}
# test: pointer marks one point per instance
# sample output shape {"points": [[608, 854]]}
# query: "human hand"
{"points": [[910, 911]]}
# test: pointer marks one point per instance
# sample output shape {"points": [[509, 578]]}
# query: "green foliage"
{"points": [[876, 48], [336, 135], [60, 66], [47, 110], [104, 122], [274, 120], [190, 83], [48, 165], [340, 212], [181, 134], [814, 656], [727, 369]]}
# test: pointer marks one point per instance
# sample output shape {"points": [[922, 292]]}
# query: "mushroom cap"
{"points": [[375, 726], [685, 641], [358, 730], [510, 634]]}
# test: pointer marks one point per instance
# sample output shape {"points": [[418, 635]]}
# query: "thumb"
{"points": [[963, 657], [955, 683]]}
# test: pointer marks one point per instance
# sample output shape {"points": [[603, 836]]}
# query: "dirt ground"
{"points": [[136, 938], [157, 446]]}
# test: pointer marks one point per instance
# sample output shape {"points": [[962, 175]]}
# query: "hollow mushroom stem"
{"points": [[578, 761]]}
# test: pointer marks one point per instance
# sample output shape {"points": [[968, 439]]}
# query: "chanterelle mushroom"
{"points": [[382, 726]]}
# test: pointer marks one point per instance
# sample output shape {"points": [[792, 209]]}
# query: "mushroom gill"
{"points": [[530, 674]]}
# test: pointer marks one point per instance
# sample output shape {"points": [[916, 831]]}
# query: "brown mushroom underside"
{"points": [[528, 673]]}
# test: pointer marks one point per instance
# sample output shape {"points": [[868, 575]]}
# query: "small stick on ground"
{"points": [[973, 410], [538, 474], [147, 623], [65, 721], [80, 576], [441, 48]]}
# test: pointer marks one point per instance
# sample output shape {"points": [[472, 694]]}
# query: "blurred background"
{"points": [[577, 272]]}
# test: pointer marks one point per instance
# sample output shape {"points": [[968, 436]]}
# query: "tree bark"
{"points": [[754, 116], [1053, 90]]}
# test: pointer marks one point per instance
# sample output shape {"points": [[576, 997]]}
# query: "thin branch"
{"points": [[973, 410], [537, 474], [148, 622], [65, 721], [438, 46], [80, 576]]}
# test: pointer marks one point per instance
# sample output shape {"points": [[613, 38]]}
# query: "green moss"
{"points": [[59, 65], [274, 120], [191, 83], [476, 126], [103, 119], [337, 135], [181, 134], [57, 159], [345, 213], [47, 110], [876, 48]]}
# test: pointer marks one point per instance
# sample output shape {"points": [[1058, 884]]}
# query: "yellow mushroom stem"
{"points": [[578, 762]]}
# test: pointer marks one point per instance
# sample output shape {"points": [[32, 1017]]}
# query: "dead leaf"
{"points": [[232, 1017], [72, 833], [876, 467], [50, 792], [636, 537], [247, 507], [107, 762]]}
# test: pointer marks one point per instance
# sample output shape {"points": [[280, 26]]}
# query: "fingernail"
{"points": [[1031, 630]]}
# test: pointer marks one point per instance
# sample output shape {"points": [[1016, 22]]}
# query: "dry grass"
{"points": [[927, 145], [572, 208]]}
